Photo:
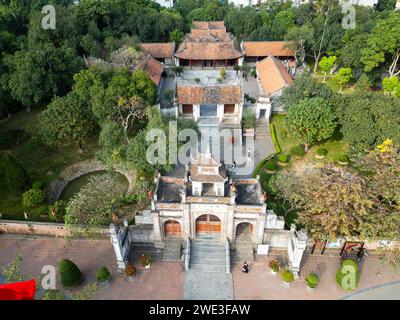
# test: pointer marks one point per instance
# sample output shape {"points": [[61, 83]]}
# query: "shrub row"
{"points": [[274, 140]]}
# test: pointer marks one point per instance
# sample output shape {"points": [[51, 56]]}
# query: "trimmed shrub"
{"points": [[271, 165], [103, 274], [16, 178], [312, 280], [32, 198], [12, 138], [283, 159], [297, 151], [343, 158], [274, 140], [287, 276], [347, 275], [69, 272], [274, 265], [321, 152], [197, 80]]}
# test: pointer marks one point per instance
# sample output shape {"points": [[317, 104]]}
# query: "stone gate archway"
{"points": [[244, 230], [172, 228]]}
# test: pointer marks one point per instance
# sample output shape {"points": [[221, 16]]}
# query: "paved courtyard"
{"points": [[166, 280]]}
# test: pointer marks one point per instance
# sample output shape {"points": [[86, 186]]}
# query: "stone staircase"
{"points": [[139, 249], [172, 249], [208, 255], [243, 250], [262, 130]]}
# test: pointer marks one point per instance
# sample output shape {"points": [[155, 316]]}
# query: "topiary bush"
{"points": [[287, 276], [69, 272], [343, 158], [32, 198], [347, 275], [271, 165], [321, 152], [103, 275], [297, 151], [312, 280], [283, 159]]}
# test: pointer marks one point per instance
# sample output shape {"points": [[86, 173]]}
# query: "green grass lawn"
{"points": [[40, 161]]}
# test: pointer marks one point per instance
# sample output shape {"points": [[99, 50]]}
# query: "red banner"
{"points": [[24, 290]]}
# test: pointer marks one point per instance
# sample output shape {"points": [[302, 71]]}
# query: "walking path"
{"points": [[208, 286]]}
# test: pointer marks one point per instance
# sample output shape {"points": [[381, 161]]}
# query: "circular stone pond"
{"points": [[74, 186]]}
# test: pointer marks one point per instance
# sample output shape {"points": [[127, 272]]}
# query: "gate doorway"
{"points": [[172, 228], [208, 224], [244, 230]]}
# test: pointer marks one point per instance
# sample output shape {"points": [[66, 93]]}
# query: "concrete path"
{"points": [[207, 286]]}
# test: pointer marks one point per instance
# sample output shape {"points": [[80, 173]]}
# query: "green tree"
{"points": [[311, 120], [392, 86], [326, 65], [66, 121], [176, 36], [16, 178], [383, 45], [304, 87], [32, 198], [343, 76], [111, 138]]}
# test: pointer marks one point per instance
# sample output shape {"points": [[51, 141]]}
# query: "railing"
{"points": [[228, 256], [187, 255]]}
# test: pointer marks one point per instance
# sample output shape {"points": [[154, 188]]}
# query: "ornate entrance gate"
{"points": [[208, 223]]}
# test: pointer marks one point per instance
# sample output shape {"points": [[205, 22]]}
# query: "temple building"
{"points": [[209, 45], [208, 201]]}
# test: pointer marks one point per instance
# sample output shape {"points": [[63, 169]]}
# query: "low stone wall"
{"points": [[37, 228], [277, 239], [141, 233], [79, 169]]}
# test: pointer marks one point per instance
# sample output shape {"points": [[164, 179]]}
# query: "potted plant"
{"points": [[275, 266], [312, 281], [248, 122], [283, 160], [103, 276], [130, 271], [321, 153], [148, 262], [287, 277]]}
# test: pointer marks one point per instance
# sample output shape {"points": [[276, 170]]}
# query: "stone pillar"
{"points": [[158, 233], [261, 227], [296, 247], [230, 232], [220, 112], [186, 227], [182, 193], [117, 247], [196, 112]]}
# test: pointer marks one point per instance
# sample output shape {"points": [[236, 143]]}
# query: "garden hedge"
{"points": [[69, 272], [274, 139]]}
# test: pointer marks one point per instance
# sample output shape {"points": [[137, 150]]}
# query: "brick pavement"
{"points": [[165, 280]]}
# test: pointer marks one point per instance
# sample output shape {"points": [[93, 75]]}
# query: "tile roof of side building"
{"points": [[273, 75], [152, 67], [266, 48], [205, 25], [218, 94], [158, 50]]}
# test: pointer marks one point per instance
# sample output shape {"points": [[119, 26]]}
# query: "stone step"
{"points": [[172, 250], [208, 268], [207, 244], [207, 261], [204, 255], [202, 249]]}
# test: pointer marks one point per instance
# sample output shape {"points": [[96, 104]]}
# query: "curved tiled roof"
{"points": [[158, 50], [218, 94], [266, 48], [273, 75]]}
